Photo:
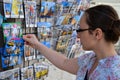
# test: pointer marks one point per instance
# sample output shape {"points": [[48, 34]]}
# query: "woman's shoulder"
{"points": [[87, 54], [110, 62], [86, 57]]}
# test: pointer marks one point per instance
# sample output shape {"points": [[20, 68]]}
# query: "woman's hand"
{"points": [[31, 40]]}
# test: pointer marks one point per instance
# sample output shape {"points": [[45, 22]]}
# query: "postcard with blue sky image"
{"points": [[14, 44], [47, 9]]}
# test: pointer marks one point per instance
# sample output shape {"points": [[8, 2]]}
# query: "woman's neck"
{"points": [[105, 51]]}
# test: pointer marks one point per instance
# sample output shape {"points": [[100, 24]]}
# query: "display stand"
{"points": [[26, 30]]}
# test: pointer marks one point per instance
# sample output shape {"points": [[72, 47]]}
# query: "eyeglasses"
{"points": [[81, 30]]}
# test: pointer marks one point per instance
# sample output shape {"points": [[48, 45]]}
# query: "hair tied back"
{"points": [[116, 23]]}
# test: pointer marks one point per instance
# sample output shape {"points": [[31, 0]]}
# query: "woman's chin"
{"points": [[84, 48]]}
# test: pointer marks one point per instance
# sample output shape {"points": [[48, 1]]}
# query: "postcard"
{"points": [[14, 44], [13, 74], [30, 13], [7, 9], [47, 9], [29, 53], [27, 73], [17, 9]]}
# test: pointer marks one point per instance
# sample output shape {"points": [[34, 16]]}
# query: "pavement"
{"points": [[57, 74]]}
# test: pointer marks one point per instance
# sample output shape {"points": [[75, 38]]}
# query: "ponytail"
{"points": [[116, 26]]}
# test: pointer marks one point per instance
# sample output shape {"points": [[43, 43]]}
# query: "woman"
{"points": [[99, 30]]}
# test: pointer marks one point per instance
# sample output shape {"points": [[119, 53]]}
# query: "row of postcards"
{"points": [[14, 9], [35, 72]]}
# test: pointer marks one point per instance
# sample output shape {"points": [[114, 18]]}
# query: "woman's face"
{"points": [[87, 39]]}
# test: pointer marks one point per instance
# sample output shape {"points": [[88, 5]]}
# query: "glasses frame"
{"points": [[81, 30]]}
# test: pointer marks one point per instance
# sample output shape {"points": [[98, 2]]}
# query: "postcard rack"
{"points": [[15, 57]]}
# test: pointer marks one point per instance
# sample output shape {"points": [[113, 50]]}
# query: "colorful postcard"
{"points": [[7, 9], [27, 73], [17, 9], [75, 49], [41, 70], [47, 9], [30, 13], [66, 19], [13, 74], [14, 44], [62, 43], [44, 30], [29, 53], [71, 42], [65, 6], [12, 29], [75, 19]]}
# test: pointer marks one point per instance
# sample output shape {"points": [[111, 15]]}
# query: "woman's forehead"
{"points": [[83, 18], [83, 21]]}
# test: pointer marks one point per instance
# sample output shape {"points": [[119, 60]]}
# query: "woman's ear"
{"points": [[98, 33]]}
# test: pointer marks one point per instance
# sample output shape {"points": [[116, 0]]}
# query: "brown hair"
{"points": [[105, 18]]}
